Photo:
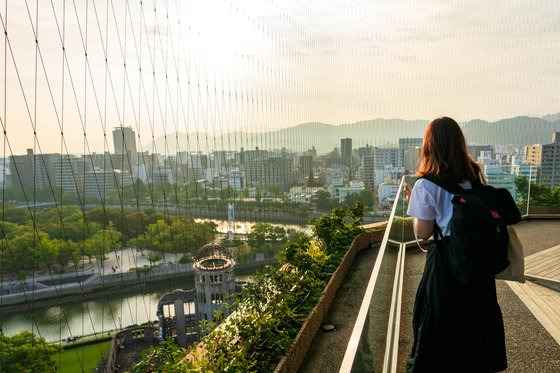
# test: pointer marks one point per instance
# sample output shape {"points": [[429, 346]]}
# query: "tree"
{"points": [[302, 210], [324, 200], [541, 195], [31, 251], [295, 235], [335, 231], [24, 352], [311, 179], [16, 215], [154, 257], [364, 196], [263, 232], [102, 242]]}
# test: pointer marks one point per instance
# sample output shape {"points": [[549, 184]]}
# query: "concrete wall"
{"points": [[294, 357]]}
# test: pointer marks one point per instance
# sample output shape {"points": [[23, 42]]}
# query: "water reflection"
{"points": [[109, 312]]}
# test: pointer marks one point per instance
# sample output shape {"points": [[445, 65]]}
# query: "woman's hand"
{"points": [[407, 192]]}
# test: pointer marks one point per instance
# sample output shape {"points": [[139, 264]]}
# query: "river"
{"points": [[110, 311]]}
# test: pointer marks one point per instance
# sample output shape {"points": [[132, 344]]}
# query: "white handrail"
{"points": [[353, 344]]}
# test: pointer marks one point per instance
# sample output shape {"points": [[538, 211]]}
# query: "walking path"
{"points": [[530, 311], [544, 264], [544, 304]]}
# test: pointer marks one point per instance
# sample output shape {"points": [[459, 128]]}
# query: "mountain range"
{"points": [[518, 131]]}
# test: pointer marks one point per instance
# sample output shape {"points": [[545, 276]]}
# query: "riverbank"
{"points": [[90, 286]]}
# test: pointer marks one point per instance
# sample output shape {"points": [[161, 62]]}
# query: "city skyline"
{"points": [[258, 67]]}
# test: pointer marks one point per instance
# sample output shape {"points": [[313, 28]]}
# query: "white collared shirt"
{"points": [[428, 201]]}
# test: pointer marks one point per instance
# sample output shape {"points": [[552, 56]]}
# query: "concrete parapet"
{"points": [[295, 356]]}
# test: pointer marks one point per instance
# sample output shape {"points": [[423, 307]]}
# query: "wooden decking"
{"points": [[544, 264], [542, 268], [544, 304]]}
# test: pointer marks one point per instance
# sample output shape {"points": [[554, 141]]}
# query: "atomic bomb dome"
{"points": [[213, 256], [214, 280]]}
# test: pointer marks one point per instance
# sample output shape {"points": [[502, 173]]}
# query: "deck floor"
{"points": [[544, 264], [544, 304]]}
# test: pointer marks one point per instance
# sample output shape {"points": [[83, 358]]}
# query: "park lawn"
{"points": [[89, 355]]}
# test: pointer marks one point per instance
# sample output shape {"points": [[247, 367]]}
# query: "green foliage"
{"points": [[541, 195], [82, 356], [268, 312], [154, 257], [24, 352], [164, 358], [181, 235], [265, 232], [335, 231], [185, 259], [65, 234], [365, 196], [324, 200], [102, 242]]}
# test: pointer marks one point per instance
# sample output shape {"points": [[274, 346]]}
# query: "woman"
{"points": [[457, 327]]}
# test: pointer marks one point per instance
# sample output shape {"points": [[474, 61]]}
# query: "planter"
{"points": [[304, 338]]}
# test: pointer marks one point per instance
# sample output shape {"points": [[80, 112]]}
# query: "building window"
{"points": [[217, 299]]}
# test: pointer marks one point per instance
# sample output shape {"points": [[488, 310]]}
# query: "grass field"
{"points": [[68, 361]]}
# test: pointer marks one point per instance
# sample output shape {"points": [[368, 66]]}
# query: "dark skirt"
{"points": [[457, 327]]}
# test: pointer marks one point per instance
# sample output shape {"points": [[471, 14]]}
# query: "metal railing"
{"points": [[374, 343]]}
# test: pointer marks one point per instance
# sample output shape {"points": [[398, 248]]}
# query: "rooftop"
{"points": [[531, 311]]}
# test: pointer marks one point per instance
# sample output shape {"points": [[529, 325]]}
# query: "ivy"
{"points": [[267, 313]]}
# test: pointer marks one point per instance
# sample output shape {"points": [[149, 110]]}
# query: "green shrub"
{"points": [[268, 312]]}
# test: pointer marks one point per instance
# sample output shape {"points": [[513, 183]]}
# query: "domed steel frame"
{"points": [[214, 280]]}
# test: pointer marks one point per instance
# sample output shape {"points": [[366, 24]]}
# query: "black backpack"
{"points": [[477, 246]]}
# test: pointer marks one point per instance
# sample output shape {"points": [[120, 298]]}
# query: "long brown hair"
{"points": [[444, 153]]}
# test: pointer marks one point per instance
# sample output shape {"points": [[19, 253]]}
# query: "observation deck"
{"points": [[372, 310]]}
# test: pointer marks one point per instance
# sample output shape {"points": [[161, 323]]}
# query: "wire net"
{"points": [[135, 132]]}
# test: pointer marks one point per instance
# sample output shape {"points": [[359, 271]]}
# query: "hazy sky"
{"points": [[220, 66]]}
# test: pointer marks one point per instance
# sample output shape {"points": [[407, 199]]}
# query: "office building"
{"points": [[550, 162], [346, 151]]}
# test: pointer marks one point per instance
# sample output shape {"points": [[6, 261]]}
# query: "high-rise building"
{"points": [[46, 171], [69, 173], [124, 143], [220, 161], [346, 151], [474, 150], [99, 183], [386, 162], [408, 144], [305, 164], [278, 172], [533, 154], [124, 140], [550, 162], [411, 158], [22, 170], [236, 179], [385, 156], [367, 170], [363, 151]]}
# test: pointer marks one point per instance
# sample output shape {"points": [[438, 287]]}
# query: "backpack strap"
{"points": [[437, 232], [446, 185]]}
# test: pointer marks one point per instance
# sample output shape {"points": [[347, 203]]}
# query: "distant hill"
{"points": [[376, 132], [518, 131], [552, 117]]}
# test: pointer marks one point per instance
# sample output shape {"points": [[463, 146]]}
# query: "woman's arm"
{"points": [[424, 228], [421, 207]]}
